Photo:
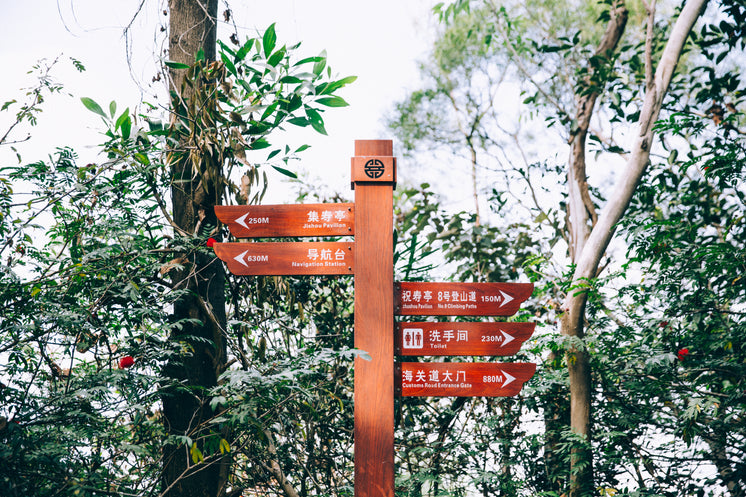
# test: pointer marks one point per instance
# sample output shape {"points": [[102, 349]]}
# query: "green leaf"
{"points": [[320, 64], [8, 104], [276, 57], [112, 108], [200, 55], [334, 101], [259, 144], [77, 64], [317, 122], [302, 148], [244, 50], [270, 109], [125, 122], [299, 121], [269, 39], [273, 153], [176, 65], [91, 105], [142, 158], [307, 60], [228, 63], [121, 119], [286, 172], [292, 80], [331, 87], [226, 48]]}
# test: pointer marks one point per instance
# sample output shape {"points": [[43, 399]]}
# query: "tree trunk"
{"points": [[199, 313], [582, 217], [587, 255]]}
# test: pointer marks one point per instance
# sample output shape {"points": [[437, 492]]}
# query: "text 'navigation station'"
{"points": [[459, 299], [466, 379], [257, 221], [461, 339], [287, 258]]}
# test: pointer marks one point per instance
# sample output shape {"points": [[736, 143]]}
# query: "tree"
{"points": [[610, 74], [587, 251], [196, 189], [93, 358]]}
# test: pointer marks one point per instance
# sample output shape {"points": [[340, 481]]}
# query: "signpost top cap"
{"points": [[373, 163], [372, 148]]}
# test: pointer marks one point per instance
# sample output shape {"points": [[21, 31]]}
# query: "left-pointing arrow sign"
{"points": [[287, 258], [242, 221], [259, 221]]}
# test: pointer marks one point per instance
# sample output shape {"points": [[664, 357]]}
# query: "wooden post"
{"points": [[373, 179]]}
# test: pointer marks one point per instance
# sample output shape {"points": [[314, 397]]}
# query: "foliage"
{"points": [[662, 323], [86, 260], [84, 285]]}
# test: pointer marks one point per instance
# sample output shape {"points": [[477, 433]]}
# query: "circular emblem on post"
{"points": [[374, 168]]}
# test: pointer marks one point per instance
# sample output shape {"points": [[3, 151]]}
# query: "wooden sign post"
{"points": [[371, 259], [373, 179]]}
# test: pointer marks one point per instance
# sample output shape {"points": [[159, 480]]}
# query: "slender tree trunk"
{"points": [[199, 312], [582, 217], [587, 255]]}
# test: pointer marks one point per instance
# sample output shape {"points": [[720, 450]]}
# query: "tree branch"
{"points": [[602, 232]]}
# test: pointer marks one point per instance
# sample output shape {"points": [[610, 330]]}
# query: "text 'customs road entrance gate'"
{"points": [[378, 378]]}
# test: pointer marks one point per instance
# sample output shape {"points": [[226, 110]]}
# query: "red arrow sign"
{"points": [[287, 258], [459, 299], [449, 339], [255, 221], [468, 379]]}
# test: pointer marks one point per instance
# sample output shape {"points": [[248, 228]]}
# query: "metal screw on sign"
{"points": [[374, 168]]}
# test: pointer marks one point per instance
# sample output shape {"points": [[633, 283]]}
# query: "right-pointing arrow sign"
{"points": [[506, 298], [459, 299], [460, 339], [506, 338], [508, 378], [465, 379]]}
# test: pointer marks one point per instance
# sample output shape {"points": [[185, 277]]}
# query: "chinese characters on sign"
{"points": [[460, 299], [465, 379], [287, 258], [256, 221], [452, 379], [461, 339]]}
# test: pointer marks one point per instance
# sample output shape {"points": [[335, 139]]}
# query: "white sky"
{"points": [[377, 41]]}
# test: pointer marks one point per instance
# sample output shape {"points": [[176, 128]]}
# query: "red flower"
{"points": [[211, 241], [682, 354], [126, 362]]}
